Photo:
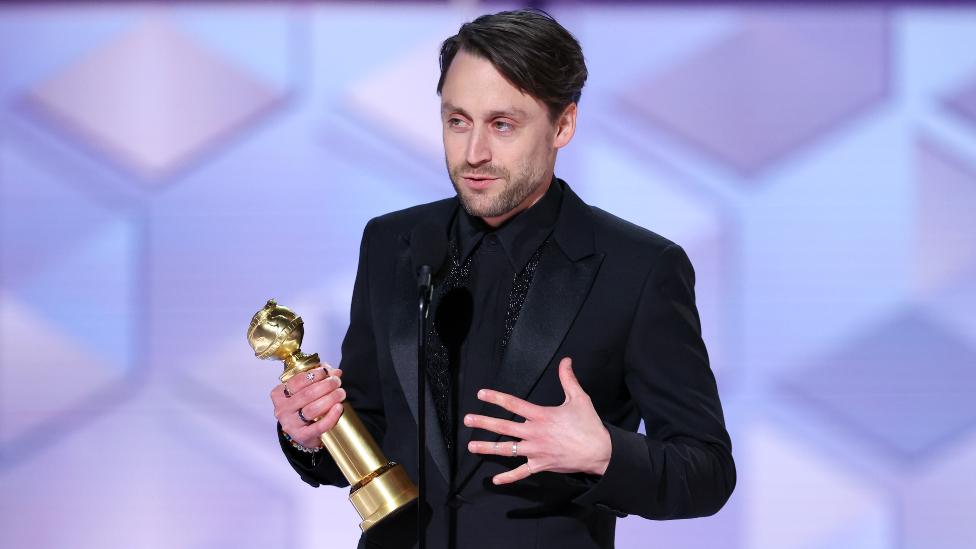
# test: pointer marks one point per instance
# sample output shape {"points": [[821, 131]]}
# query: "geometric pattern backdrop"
{"points": [[166, 169]]}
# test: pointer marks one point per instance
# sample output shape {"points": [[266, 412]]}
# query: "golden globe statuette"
{"points": [[379, 487]]}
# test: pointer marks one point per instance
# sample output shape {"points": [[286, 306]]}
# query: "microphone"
{"points": [[428, 250]]}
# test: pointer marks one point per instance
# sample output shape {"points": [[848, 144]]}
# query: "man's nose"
{"points": [[479, 150]]}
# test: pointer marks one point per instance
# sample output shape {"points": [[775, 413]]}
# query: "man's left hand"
{"points": [[569, 438]]}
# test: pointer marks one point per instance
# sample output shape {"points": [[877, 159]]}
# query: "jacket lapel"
{"points": [[403, 349], [559, 288]]}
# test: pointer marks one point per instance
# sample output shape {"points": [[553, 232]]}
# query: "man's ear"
{"points": [[565, 126]]}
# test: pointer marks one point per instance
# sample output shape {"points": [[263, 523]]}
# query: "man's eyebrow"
{"points": [[508, 113], [447, 107]]}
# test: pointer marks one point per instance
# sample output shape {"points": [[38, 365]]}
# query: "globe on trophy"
{"points": [[378, 487]]}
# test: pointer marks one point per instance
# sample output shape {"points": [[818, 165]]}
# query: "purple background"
{"points": [[165, 170]]}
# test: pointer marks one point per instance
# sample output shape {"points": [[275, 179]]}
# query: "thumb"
{"points": [[568, 379]]}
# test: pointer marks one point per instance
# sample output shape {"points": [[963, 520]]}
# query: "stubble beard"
{"points": [[486, 204]]}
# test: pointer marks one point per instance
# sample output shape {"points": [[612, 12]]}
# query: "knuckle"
{"points": [[312, 409], [328, 403], [320, 389]]}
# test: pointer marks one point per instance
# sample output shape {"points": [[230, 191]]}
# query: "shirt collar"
{"points": [[521, 235]]}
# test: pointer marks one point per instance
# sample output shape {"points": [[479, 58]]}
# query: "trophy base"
{"points": [[386, 491]]}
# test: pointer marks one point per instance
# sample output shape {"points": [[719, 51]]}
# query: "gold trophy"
{"points": [[379, 487]]}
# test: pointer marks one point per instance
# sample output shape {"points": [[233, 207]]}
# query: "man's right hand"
{"points": [[319, 399]]}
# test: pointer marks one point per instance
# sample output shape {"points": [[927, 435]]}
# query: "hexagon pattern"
{"points": [[152, 99], [768, 88], [818, 163]]}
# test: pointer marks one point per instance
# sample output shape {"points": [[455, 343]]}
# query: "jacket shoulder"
{"points": [[618, 234], [403, 221]]}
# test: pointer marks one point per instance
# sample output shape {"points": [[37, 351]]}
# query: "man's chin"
{"points": [[478, 208]]}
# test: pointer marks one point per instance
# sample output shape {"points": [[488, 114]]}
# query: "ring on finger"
{"points": [[310, 376], [302, 417], [287, 392], [515, 449]]}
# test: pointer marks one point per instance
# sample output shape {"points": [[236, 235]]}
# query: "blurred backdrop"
{"points": [[166, 169]]}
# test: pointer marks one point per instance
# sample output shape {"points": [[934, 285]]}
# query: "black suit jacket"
{"points": [[616, 298]]}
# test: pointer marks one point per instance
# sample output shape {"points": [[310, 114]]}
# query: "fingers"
{"points": [[314, 401], [516, 474], [506, 448], [512, 404], [568, 379], [495, 425], [299, 382], [320, 406], [310, 436], [284, 395], [316, 390], [501, 448], [312, 433], [322, 414]]}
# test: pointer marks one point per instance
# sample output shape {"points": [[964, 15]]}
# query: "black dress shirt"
{"points": [[497, 255]]}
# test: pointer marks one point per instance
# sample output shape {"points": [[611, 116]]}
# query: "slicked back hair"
{"points": [[530, 49]]}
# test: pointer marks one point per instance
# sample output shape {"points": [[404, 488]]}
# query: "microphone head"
{"points": [[428, 246]]}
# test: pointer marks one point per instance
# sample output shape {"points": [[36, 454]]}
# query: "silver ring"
{"points": [[302, 417], [515, 449], [494, 446], [310, 376]]}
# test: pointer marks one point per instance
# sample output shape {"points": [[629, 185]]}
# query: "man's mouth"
{"points": [[478, 181]]}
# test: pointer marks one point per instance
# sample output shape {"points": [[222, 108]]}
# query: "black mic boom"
{"points": [[428, 250]]}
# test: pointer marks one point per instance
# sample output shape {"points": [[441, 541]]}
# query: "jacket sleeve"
{"points": [[359, 379], [683, 466]]}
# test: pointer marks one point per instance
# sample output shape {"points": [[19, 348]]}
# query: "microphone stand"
{"points": [[426, 290]]}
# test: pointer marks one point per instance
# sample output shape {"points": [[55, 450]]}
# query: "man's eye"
{"points": [[503, 126], [454, 122]]}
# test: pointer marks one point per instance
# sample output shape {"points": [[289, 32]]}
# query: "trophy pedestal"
{"points": [[390, 490], [379, 486]]}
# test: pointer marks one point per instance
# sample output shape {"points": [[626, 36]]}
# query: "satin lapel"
{"points": [[403, 349], [558, 290]]}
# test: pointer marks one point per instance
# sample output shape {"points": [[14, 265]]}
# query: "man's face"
{"points": [[499, 143]]}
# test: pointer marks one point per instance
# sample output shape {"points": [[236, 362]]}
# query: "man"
{"points": [[557, 328]]}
